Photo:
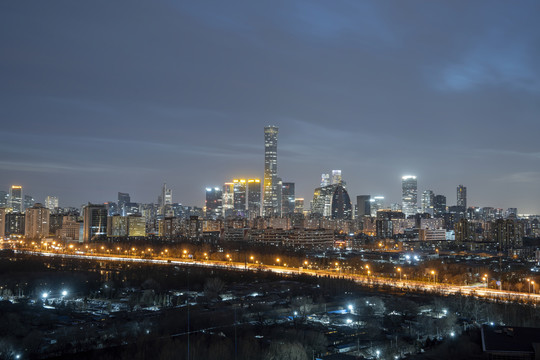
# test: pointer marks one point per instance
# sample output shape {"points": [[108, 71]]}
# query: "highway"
{"points": [[403, 285]]}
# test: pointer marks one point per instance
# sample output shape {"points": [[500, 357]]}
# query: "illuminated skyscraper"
{"points": [[376, 204], [439, 205], [16, 198], [341, 203], [336, 177], [427, 202], [28, 201], [299, 205], [270, 200], [4, 199], [95, 222], [123, 199], [409, 195], [165, 201], [214, 205], [240, 195], [325, 180], [254, 198], [228, 199], [287, 198], [51, 202], [462, 197]]}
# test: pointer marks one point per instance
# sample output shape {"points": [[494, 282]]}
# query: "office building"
{"points": [[51, 202], [14, 223], [94, 222], [325, 180], [4, 199], [270, 197], [341, 203], [254, 198], [228, 199], [36, 222], [336, 177], [428, 198], [136, 226], [131, 208], [462, 197], [376, 204], [28, 202], [16, 198], [240, 196], [213, 203], [165, 201], [299, 205], [287, 198], [439, 205], [123, 199], [363, 205], [409, 195]]}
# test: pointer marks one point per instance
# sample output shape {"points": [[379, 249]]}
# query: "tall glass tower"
{"points": [[462, 197], [409, 195], [270, 199]]}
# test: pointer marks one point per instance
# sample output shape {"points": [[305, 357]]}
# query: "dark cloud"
{"points": [[101, 97]]}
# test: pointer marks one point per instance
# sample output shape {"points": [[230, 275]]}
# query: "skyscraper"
{"points": [[341, 203], [363, 205], [325, 180], [299, 205], [287, 198], [462, 197], [4, 198], [94, 222], [409, 195], [376, 204], [427, 202], [16, 198], [240, 196], [228, 199], [123, 199], [439, 205], [51, 202], [270, 200], [213, 203], [336, 177], [28, 202], [165, 201], [254, 198]]}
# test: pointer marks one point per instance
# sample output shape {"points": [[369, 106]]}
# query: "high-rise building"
{"points": [[325, 180], [270, 199], [341, 203], [240, 196], [254, 198], [15, 223], [462, 197], [4, 199], [36, 222], [131, 208], [123, 199], [16, 198], [439, 205], [29, 201], [228, 199], [165, 201], [51, 202], [299, 205], [409, 195], [363, 205], [136, 226], [376, 204], [94, 222], [336, 177], [3, 212], [287, 198], [427, 201], [213, 203]]}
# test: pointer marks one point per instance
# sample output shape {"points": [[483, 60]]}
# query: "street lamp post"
{"points": [[529, 281], [399, 271]]}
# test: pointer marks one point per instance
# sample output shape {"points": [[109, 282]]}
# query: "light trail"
{"points": [[404, 285]]}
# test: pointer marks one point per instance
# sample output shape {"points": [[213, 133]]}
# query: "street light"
{"points": [[529, 281], [399, 271], [433, 273]]}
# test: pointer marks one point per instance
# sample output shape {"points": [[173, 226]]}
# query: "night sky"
{"points": [[98, 97]]}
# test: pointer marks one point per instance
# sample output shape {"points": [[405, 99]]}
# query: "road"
{"points": [[404, 285]]}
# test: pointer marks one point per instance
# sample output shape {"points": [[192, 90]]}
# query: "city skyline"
{"points": [[95, 103]]}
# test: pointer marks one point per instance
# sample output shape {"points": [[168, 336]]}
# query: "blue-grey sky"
{"points": [[98, 97]]}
